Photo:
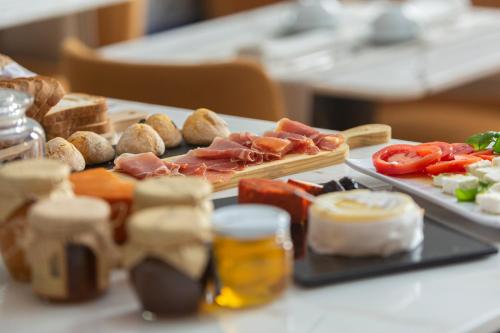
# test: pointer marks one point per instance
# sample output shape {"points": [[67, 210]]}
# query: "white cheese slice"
{"points": [[496, 161], [438, 180], [492, 176], [481, 172], [477, 165], [489, 202], [362, 222], [495, 188], [452, 183]]}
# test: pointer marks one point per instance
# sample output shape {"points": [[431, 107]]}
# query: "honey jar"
{"points": [[23, 183], [70, 249], [167, 256], [253, 254]]}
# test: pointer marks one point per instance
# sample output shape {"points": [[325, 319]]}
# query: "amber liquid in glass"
{"points": [[251, 272]]}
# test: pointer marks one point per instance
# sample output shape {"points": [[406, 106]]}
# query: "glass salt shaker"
{"points": [[20, 137]]}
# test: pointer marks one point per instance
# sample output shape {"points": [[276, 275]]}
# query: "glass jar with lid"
{"points": [[69, 248], [168, 258], [20, 137], [252, 253], [22, 184]]}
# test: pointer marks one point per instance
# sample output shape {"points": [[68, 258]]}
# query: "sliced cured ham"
{"points": [[223, 148], [299, 144], [321, 140], [243, 138], [141, 166], [272, 148], [291, 126], [328, 141]]}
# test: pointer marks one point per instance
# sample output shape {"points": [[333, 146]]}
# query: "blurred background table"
{"points": [[18, 12], [349, 77]]}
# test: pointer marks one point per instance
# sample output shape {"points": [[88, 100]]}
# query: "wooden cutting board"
{"points": [[361, 136]]}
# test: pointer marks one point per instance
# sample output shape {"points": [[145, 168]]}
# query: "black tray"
{"points": [[441, 246]]}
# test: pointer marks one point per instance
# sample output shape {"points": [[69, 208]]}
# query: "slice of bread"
{"points": [[64, 132], [46, 92], [74, 107]]}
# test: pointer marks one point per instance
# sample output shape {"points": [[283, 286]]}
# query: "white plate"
{"points": [[422, 187]]}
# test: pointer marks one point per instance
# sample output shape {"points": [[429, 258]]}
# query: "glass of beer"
{"points": [[253, 254]]}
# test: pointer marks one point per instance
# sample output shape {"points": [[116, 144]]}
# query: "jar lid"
{"points": [[69, 215], [36, 176], [169, 225], [171, 191], [13, 105], [250, 221]]}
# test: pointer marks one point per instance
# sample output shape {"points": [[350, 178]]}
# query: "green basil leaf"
{"points": [[482, 141], [496, 147]]}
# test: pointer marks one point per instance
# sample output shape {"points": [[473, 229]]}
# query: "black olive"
{"points": [[350, 184], [332, 186]]}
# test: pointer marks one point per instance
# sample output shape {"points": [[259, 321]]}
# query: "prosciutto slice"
{"points": [[321, 140], [223, 148], [272, 148], [299, 144], [144, 165], [244, 138]]}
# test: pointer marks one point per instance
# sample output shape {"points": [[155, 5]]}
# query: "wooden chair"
{"points": [[238, 88], [121, 22]]}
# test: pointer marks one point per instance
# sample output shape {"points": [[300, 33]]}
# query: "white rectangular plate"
{"points": [[422, 187]]}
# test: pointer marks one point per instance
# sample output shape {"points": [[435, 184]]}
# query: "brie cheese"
{"points": [[362, 222]]}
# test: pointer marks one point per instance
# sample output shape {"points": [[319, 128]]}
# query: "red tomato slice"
{"points": [[405, 159], [486, 157], [446, 149], [462, 148], [456, 166], [482, 152]]}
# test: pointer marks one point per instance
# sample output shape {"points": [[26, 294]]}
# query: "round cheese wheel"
{"points": [[363, 223]]}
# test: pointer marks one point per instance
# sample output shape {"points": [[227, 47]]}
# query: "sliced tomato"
{"points": [[405, 159], [484, 154], [446, 149], [462, 148], [456, 166]]}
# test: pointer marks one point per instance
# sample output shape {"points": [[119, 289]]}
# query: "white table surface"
{"points": [[457, 298], [18, 12], [447, 55]]}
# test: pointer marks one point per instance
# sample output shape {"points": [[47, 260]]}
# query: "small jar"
{"points": [[252, 253], [167, 256], [23, 183], [70, 248], [20, 137], [173, 191]]}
